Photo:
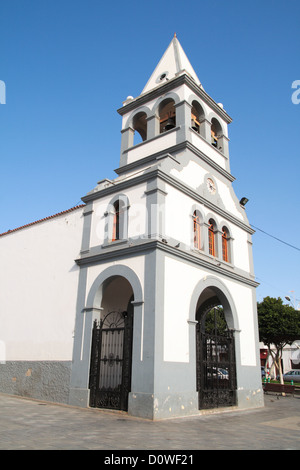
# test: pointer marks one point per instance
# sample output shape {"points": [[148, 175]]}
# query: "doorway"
{"points": [[111, 351], [215, 352]]}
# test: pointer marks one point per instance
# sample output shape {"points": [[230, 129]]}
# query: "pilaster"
{"points": [[127, 141]]}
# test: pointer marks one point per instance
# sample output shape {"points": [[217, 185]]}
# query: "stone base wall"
{"points": [[42, 380]]}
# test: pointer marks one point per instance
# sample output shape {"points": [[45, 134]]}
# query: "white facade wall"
{"points": [[183, 278], [164, 141], [207, 148], [179, 207], [39, 281], [194, 176]]}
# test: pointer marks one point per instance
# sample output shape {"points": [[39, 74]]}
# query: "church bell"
{"points": [[194, 125], [170, 124]]}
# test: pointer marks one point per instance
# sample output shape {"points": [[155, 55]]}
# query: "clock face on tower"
{"points": [[211, 186]]}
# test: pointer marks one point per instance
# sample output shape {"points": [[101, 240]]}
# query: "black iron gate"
{"points": [[110, 372], [216, 368]]}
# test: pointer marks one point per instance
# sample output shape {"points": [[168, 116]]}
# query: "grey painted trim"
{"points": [[144, 329], [94, 297], [87, 223], [153, 126], [158, 406], [142, 109], [147, 245], [170, 95], [155, 194], [79, 394], [92, 309], [170, 85], [144, 161], [183, 116], [127, 141], [224, 295]]}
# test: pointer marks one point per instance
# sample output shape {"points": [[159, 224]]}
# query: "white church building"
{"points": [[142, 298]]}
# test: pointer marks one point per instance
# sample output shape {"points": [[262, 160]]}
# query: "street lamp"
{"points": [[244, 201]]}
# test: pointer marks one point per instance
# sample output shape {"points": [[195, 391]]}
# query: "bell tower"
{"points": [[169, 242], [174, 99]]}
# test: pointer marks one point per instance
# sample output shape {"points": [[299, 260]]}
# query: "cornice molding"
{"points": [[158, 173], [174, 149], [146, 246], [170, 85]]}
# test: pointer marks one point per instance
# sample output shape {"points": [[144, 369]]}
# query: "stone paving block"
{"points": [[31, 425]]}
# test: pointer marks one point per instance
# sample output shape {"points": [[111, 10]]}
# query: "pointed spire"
{"points": [[170, 65]]}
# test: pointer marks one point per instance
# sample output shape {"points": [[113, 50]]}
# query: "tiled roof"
{"points": [[43, 220]]}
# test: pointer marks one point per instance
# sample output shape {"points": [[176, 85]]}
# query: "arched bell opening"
{"points": [[197, 116], [216, 133], [167, 115], [215, 351], [111, 354], [139, 125]]}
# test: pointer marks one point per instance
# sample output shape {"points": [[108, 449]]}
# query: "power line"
{"points": [[278, 239]]}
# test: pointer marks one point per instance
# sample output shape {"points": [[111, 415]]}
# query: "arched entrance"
{"points": [[111, 352], [215, 352]]}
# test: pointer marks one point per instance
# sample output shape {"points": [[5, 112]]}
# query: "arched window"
{"points": [[116, 222], [167, 115], [211, 238], [196, 230], [225, 244]]}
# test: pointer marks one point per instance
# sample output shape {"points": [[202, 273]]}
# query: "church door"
{"points": [[216, 370], [110, 372]]}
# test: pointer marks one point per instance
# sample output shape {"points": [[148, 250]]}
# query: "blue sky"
{"points": [[69, 64]]}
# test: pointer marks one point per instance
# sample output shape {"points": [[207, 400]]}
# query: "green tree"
{"points": [[215, 321], [279, 325]]}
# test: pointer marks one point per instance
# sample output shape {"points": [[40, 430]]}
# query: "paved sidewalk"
{"points": [[34, 425]]}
